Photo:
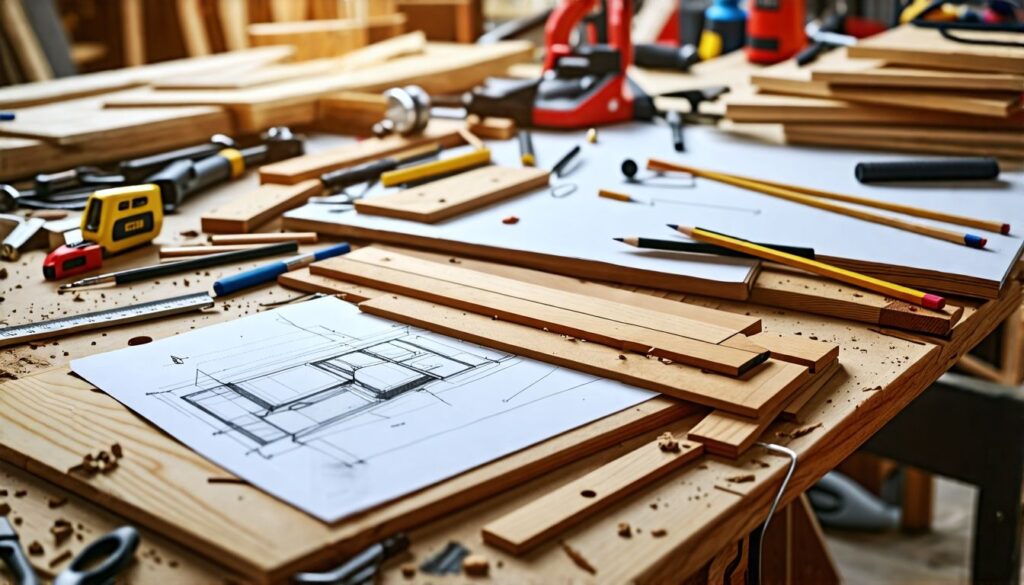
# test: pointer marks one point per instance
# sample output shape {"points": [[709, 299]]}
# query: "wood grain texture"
{"points": [[911, 45], [305, 281], [791, 411], [163, 485], [764, 388], [452, 196], [27, 48], [311, 166], [528, 526], [312, 39], [878, 73], [258, 207], [797, 135], [812, 353], [639, 342]]}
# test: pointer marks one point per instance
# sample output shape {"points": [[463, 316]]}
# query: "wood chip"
{"points": [[117, 450], [797, 433], [5, 508], [21, 493], [476, 565], [668, 443], [35, 549], [510, 220], [659, 532], [55, 502], [745, 478], [57, 560], [578, 558], [624, 530], [61, 531], [408, 570]]}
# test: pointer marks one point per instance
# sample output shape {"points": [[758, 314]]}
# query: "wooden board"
{"points": [[528, 526], [796, 404], [350, 113], [259, 206], [27, 48], [545, 311], [797, 135], [926, 47], [790, 78], [311, 166], [762, 389], [878, 73], [305, 281], [962, 136], [492, 128], [31, 94], [312, 39], [445, 198], [796, 349], [163, 485], [440, 69], [728, 435]]}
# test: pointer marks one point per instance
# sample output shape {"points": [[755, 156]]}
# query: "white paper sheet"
{"points": [[581, 225], [335, 411]]}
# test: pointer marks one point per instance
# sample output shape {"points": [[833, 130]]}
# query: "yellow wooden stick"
{"points": [[796, 196], [436, 168], [896, 291]]}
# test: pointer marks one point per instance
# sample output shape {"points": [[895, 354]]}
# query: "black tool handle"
{"points": [[12, 556], [347, 177], [951, 169], [136, 274], [665, 57], [102, 560]]}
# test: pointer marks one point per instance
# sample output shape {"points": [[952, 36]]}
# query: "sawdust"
{"points": [[578, 558], [745, 478], [624, 530], [476, 565], [668, 443]]}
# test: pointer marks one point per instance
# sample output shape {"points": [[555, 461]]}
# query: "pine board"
{"points": [[878, 73], [259, 206], [959, 136], [797, 135], [796, 349], [523, 529], [926, 47], [444, 198]]}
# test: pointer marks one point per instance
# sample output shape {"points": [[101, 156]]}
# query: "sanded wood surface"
{"points": [[911, 45], [924, 134], [311, 166], [350, 112], [762, 389], [445, 198], [258, 207], [526, 527], [312, 39], [791, 348], [792, 409]]}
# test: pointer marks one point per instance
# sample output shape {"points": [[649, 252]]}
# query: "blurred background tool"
{"points": [[724, 31], [775, 30]]}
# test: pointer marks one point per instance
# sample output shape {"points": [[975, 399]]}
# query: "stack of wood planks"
{"points": [[907, 89], [99, 118]]}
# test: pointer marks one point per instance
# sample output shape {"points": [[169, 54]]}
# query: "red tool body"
{"points": [[775, 30], [70, 260]]}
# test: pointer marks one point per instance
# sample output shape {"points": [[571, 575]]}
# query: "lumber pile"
{"points": [[907, 89]]}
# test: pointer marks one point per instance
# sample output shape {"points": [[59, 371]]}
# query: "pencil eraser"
{"points": [[1005, 229], [975, 241], [935, 302]]}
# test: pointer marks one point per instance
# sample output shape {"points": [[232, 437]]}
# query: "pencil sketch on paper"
{"points": [[335, 411]]}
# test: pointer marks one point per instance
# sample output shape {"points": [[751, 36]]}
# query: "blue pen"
{"points": [[256, 276], [6, 116]]}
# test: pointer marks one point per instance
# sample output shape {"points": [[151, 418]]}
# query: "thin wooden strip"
{"points": [[254, 209], [186, 251], [269, 238], [790, 348], [728, 435], [524, 528], [445, 198], [305, 281], [792, 409], [691, 327], [311, 166], [579, 326], [765, 388]]}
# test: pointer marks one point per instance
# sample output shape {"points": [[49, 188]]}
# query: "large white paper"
{"points": [[582, 226], [335, 411]]}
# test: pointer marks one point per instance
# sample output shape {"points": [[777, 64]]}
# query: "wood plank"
{"points": [[797, 135], [350, 112], [728, 435], [878, 73], [305, 281], [967, 136], [764, 388], [623, 310], [247, 213], [311, 166], [133, 32], [312, 39], [792, 409], [193, 29], [523, 529], [162, 485], [27, 47], [578, 326], [492, 128], [926, 47], [234, 18], [265, 238], [451, 196], [790, 348]]}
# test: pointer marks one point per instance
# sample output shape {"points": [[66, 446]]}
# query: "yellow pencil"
{"points": [[803, 196], [903, 293], [445, 166], [609, 194]]}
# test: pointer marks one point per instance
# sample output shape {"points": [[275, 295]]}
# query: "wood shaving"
{"points": [[578, 558], [61, 531], [624, 530], [35, 549], [668, 443], [21, 493], [55, 502], [797, 433], [510, 220], [408, 570], [60, 559], [476, 565], [659, 532], [5, 508], [745, 478]]}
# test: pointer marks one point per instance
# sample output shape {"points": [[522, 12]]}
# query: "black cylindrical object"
{"points": [[951, 169], [665, 56]]}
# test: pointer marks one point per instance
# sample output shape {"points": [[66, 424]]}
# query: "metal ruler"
{"points": [[107, 318]]}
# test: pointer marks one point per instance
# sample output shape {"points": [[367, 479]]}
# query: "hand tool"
{"points": [[101, 319], [526, 153], [950, 169], [144, 272], [675, 122], [824, 36], [665, 56], [335, 181], [775, 30], [702, 248], [25, 234], [560, 166], [102, 560], [903, 293], [580, 86], [408, 111], [436, 169], [13, 556], [359, 569], [71, 259], [269, 272]]}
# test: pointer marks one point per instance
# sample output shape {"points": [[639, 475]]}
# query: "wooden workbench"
{"points": [[700, 511]]}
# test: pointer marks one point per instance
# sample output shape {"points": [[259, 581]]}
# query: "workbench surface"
{"points": [[699, 509]]}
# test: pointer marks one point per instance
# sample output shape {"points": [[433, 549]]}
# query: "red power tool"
{"points": [[583, 85], [775, 30]]}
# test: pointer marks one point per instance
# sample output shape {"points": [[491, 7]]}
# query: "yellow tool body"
{"points": [[123, 217]]}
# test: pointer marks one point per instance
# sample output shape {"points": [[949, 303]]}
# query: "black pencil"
{"points": [[703, 248], [144, 272]]}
